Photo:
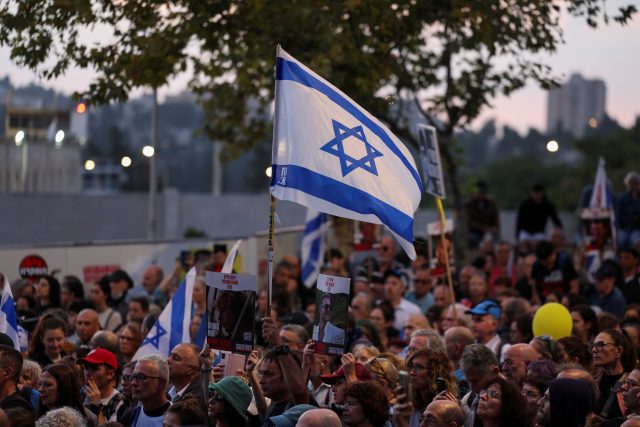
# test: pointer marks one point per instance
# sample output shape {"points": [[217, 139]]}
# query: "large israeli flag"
{"points": [[8, 318], [172, 327], [312, 248], [331, 155], [602, 195]]}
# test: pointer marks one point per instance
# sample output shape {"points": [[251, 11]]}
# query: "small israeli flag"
{"points": [[331, 155], [602, 196], [313, 246], [8, 317], [172, 327]]}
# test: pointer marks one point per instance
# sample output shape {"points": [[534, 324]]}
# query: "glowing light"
{"points": [[89, 165], [593, 123], [81, 108], [19, 137], [267, 172], [59, 137], [552, 146], [148, 151], [125, 161]]}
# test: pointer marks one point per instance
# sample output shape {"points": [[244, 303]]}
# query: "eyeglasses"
{"points": [[631, 383], [126, 378], [600, 345], [417, 367], [509, 363], [142, 378], [493, 394]]}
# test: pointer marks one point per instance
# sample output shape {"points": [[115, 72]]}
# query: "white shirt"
{"points": [[403, 311], [332, 334], [110, 323], [494, 345]]}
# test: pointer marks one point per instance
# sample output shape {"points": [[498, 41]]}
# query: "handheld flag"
{"points": [[331, 155], [8, 318], [602, 195], [313, 246], [172, 327]]}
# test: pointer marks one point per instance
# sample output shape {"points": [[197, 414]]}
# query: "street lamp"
{"points": [[552, 146], [89, 165], [19, 137], [148, 151], [125, 161], [59, 138], [267, 172]]}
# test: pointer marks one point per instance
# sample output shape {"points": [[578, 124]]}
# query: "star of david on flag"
{"points": [[348, 163], [172, 326], [331, 155]]}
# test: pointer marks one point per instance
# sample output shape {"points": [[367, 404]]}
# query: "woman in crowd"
{"points": [[365, 405], [424, 366], [502, 404], [382, 317], [47, 341], [574, 351], [547, 347], [363, 353], [585, 323], [127, 394], [478, 289], [186, 412], [386, 375], [71, 290], [129, 339], [229, 399], [613, 353], [59, 387], [47, 293], [521, 331], [533, 389]]}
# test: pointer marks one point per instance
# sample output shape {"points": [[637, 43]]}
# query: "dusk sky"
{"points": [[611, 53]]}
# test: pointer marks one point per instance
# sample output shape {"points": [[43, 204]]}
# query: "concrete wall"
{"points": [[79, 218]]}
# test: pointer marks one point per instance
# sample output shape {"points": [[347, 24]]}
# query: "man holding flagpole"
{"points": [[331, 155]]}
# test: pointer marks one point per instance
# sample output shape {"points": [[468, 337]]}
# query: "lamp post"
{"points": [[151, 217], [20, 140]]}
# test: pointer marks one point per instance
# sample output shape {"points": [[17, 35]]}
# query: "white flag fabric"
{"points": [[331, 155], [602, 195], [312, 249], [8, 317], [172, 327], [227, 267]]}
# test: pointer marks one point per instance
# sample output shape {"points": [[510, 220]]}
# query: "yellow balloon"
{"points": [[554, 320]]}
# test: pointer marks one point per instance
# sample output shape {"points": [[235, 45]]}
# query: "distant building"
{"points": [[576, 105], [38, 151]]}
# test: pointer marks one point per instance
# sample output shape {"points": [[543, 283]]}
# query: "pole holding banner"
{"points": [[272, 211]]}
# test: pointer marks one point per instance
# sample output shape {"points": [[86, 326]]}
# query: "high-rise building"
{"points": [[576, 106]]}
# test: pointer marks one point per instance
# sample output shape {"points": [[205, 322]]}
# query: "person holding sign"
{"points": [[325, 331]]}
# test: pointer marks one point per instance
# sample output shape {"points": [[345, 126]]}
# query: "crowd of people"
{"points": [[419, 350]]}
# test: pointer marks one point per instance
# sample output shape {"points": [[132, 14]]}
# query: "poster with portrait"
{"points": [[439, 249], [230, 311], [332, 305]]}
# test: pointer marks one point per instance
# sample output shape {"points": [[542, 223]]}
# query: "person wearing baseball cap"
{"points": [[101, 379], [338, 381], [486, 316]]}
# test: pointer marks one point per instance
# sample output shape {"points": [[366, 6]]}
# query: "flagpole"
{"points": [[272, 210], [443, 223]]}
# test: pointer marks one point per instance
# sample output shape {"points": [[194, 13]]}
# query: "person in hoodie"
{"points": [[566, 403]]}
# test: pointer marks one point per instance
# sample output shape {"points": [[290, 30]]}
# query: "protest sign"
{"points": [[332, 305], [230, 311], [440, 247], [430, 161]]}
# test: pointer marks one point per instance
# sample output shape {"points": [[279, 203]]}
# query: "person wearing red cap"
{"points": [[338, 380], [101, 379]]}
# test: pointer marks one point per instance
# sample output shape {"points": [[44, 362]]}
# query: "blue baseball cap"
{"points": [[290, 417], [486, 307]]}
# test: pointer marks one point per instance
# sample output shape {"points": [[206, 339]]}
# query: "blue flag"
{"points": [[8, 318], [331, 155], [312, 246]]}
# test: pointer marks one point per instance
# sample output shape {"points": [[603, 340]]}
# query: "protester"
{"points": [[11, 364], [229, 399], [319, 418], [59, 387], [47, 294], [533, 215], [47, 340], [501, 404], [184, 374], [628, 212], [365, 406], [485, 325], [99, 296], [585, 323], [567, 402], [101, 373], [62, 417], [477, 363], [148, 382], [516, 360], [394, 289], [185, 413], [87, 324], [137, 310], [129, 339], [120, 283]]}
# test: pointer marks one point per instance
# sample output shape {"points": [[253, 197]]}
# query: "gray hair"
{"points": [[160, 363], [31, 370], [480, 357], [300, 331], [434, 340], [633, 175], [62, 417]]}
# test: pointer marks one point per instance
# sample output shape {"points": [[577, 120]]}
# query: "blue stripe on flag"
{"points": [[315, 223], [310, 265], [288, 70], [9, 310], [345, 196], [177, 316]]}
